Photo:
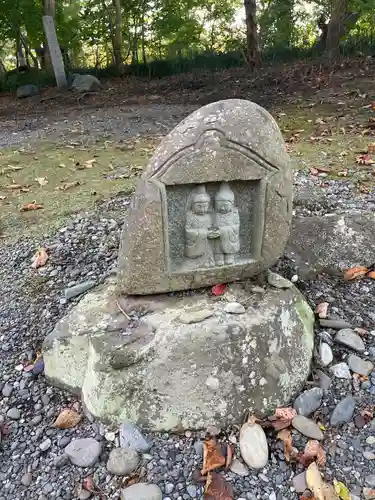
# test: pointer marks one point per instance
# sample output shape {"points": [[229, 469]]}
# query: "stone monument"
{"points": [[213, 206]]}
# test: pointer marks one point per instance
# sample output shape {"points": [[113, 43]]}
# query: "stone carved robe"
{"points": [[229, 227], [196, 230]]}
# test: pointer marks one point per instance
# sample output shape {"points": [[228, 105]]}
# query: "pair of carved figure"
{"points": [[212, 235]]}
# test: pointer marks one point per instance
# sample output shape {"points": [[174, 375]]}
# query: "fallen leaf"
{"points": [[42, 181], [217, 488], [67, 419], [88, 484], [213, 457], [321, 309], [341, 490], [61, 165], [314, 171], [282, 418], [367, 415], [89, 163], [229, 456], [371, 275], [219, 289], [312, 451], [30, 206], [364, 160], [371, 148], [355, 272], [315, 482], [40, 258], [285, 436], [68, 185]]}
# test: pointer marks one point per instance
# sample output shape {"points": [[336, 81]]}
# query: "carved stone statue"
{"points": [[197, 229], [227, 222]]}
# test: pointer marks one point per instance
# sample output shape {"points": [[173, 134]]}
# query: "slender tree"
{"points": [[252, 42], [117, 36]]}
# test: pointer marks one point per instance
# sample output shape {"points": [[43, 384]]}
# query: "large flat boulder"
{"points": [[332, 243], [183, 362]]}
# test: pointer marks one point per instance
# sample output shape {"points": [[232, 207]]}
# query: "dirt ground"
{"points": [[61, 154]]}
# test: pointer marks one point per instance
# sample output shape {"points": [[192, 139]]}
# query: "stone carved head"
{"points": [[200, 201], [224, 199]]}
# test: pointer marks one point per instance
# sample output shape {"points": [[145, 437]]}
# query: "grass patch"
{"points": [[64, 180]]}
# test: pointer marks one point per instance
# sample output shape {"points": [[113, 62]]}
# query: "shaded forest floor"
{"points": [[68, 153]]}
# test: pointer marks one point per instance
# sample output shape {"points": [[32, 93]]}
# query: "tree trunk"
{"points": [[335, 28], [49, 10], [253, 51], [117, 36], [21, 60]]}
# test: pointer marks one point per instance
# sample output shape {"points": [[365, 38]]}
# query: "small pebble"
{"points": [[26, 479], [45, 445], [234, 308], [14, 414]]}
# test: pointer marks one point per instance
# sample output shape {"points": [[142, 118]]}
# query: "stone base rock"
{"points": [[133, 359], [332, 243]]}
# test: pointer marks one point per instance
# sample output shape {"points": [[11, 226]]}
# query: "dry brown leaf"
{"points": [[68, 185], [40, 258], [42, 181], [30, 206], [315, 482], [282, 418], [14, 186], [213, 457], [364, 160], [67, 419], [217, 488], [322, 309], [355, 273], [312, 451], [89, 163], [285, 436], [229, 456]]}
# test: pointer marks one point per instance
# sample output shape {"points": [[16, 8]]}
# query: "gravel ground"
{"points": [[120, 122], [33, 460]]}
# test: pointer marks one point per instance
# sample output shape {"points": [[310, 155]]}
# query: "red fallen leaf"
{"points": [[217, 488], [282, 418], [355, 272], [321, 309], [371, 275], [314, 171], [219, 289], [213, 457], [30, 206], [364, 160]]}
